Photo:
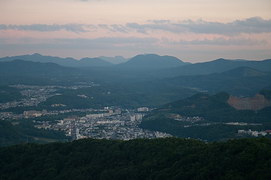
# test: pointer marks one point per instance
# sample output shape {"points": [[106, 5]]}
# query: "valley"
{"points": [[80, 102]]}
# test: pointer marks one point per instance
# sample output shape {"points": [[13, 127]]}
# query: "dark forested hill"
{"points": [[26, 72], [9, 94], [24, 131], [169, 158], [239, 81], [209, 117], [26, 67]]}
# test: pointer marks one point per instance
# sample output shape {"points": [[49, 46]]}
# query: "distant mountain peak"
{"points": [[36, 54], [220, 59], [154, 56], [153, 61]]}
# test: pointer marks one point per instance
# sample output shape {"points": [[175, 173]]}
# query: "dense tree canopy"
{"points": [[171, 158]]}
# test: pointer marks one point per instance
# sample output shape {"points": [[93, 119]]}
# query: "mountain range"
{"points": [[68, 62], [216, 66], [164, 77], [148, 61]]}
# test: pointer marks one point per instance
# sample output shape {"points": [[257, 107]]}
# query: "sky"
{"points": [[192, 30]]}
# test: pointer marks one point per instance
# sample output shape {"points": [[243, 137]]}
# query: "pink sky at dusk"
{"points": [[192, 30]]}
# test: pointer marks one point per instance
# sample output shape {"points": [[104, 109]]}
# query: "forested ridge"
{"points": [[215, 112], [170, 158]]}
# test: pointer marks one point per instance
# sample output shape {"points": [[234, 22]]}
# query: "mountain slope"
{"points": [[43, 59], [20, 72], [208, 117], [239, 81], [24, 132], [216, 66], [27, 67]]}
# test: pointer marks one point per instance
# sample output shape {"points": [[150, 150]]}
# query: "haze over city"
{"points": [[194, 30]]}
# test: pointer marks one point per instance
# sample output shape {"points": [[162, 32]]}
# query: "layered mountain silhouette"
{"points": [[167, 73], [69, 62], [217, 66], [149, 61], [174, 66]]}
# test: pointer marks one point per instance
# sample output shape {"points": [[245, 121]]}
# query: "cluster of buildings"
{"points": [[192, 119], [112, 124], [242, 124], [10, 115], [33, 95], [106, 123], [254, 133]]}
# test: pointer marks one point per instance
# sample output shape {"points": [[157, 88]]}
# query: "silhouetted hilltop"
{"points": [[152, 61]]}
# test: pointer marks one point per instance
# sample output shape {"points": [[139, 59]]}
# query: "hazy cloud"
{"points": [[79, 43], [114, 27], [107, 41], [91, 0], [224, 42], [250, 25], [127, 42], [81, 47], [46, 27], [161, 21]]}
